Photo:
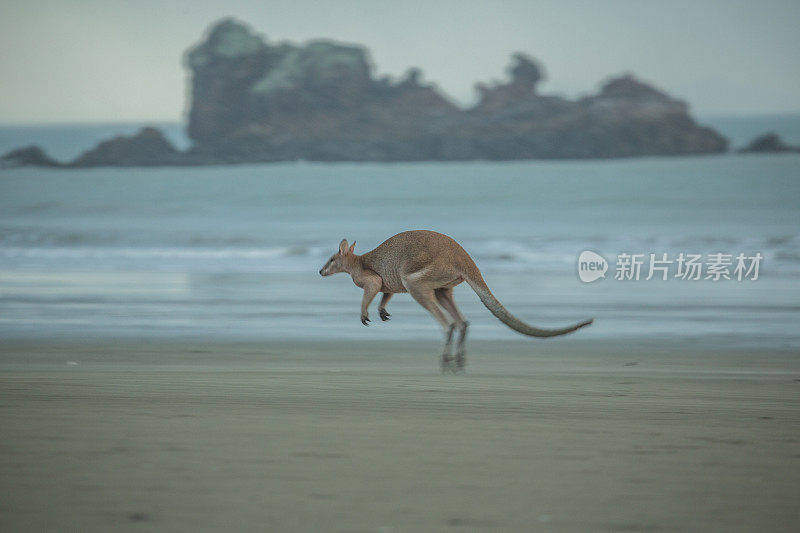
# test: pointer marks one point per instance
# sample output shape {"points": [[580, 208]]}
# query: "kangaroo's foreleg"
{"points": [[426, 297], [372, 286], [382, 306], [445, 298]]}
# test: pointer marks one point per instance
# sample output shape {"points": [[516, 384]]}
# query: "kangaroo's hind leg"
{"points": [[445, 298], [382, 306], [426, 297]]}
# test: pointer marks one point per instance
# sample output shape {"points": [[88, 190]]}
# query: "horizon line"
{"points": [[132, 121]]}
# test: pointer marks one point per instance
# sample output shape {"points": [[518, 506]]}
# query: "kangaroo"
{"points": [[426, 265]]}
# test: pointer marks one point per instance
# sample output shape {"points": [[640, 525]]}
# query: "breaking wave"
{"points": [[781, 254]]}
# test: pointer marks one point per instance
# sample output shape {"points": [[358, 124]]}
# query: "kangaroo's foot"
{"points": [[461, 355], [447, 359], [461, 361], [449, 364], [384, 315], [452, 366], [446, 363]]}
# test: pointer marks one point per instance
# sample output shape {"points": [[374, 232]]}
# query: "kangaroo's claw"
{"points": [[384, 315], [365, 319]]}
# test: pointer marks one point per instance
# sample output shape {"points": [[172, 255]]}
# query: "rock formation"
{"points": [[148, 147], [252, 101], [255, 101], [768, 143], [27, 156]]}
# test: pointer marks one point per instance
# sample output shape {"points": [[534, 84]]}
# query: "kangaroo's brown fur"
{"points": [[426, 265]]}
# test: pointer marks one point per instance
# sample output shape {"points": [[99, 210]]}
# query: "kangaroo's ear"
{"points": [[343, 247], [352, 247]]}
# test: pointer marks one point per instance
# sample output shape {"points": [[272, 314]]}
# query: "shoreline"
{"points": [[370, 436]]}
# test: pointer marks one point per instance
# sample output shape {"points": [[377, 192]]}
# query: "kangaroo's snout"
{"points": [[338, 261]]}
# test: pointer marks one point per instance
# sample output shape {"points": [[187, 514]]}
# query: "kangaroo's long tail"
{"points": [[475, 280]]}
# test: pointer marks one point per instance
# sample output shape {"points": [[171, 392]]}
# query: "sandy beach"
{"points": [[279, 436]]}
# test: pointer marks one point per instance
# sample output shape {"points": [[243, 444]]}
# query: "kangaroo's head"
{"points": [[340, 261]]}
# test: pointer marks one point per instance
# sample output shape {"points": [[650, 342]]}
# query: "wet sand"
{"points": [[546, 436]]}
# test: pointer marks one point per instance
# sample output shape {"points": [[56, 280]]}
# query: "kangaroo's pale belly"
{"points": [[398, 286]]}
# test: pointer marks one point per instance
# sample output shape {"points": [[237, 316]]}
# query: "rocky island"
{"points": [[253, 101], [768, 143]]}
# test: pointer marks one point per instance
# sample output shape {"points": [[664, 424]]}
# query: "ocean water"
{"points": [[234, 252], [740, 130]]}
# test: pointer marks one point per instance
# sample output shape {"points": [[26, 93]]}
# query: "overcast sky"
{"points": [[115, 60]]}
